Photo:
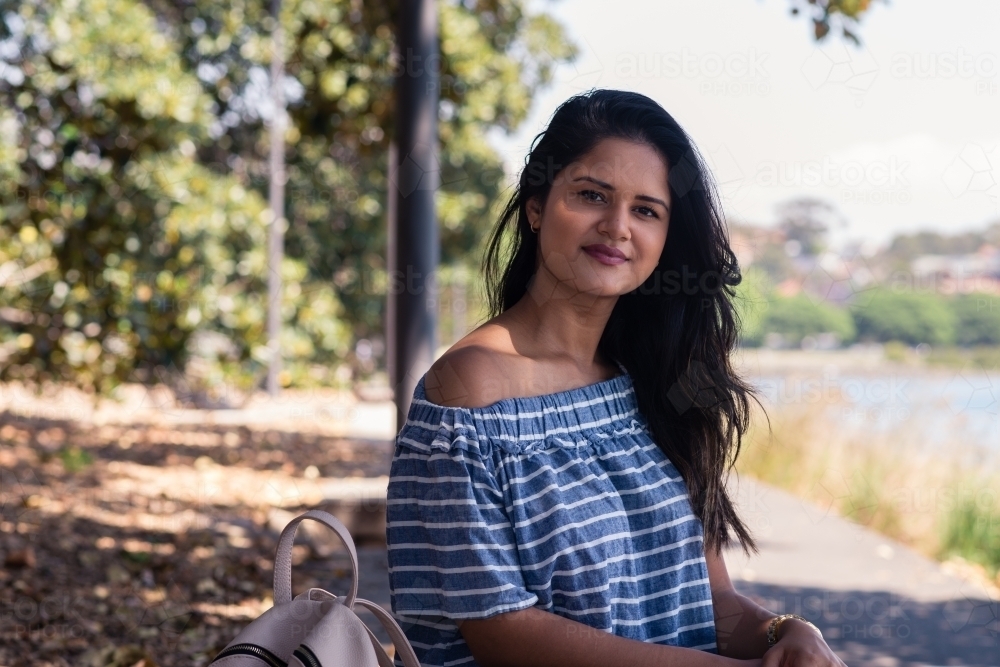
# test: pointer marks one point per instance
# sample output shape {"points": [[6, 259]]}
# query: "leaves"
{"points": [[134, 176], [829, 14], [162, 545]]}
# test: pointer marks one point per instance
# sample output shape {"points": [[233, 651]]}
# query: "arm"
{"points": [[741, 628], [534, 637], [740, 623]]}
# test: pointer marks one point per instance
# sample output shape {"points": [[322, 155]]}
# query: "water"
{"points": [[940, 407]]}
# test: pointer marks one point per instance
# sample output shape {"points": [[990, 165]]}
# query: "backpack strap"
{"points": [[380, 654], [283, 556], [403, 648]]}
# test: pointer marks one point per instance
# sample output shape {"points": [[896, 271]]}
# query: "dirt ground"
{"points": [[128, 541]]}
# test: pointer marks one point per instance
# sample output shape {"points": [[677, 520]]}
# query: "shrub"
{"points": [[907, 317], [977, 318], [798, 316]]}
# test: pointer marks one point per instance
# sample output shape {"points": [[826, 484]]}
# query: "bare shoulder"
{"points": [[472, 374]]}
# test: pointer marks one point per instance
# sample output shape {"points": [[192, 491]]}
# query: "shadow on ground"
{"points": [[124, 543], [883, 629]]}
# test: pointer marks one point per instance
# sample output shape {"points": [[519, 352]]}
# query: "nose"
{"points": [[615, 221]]}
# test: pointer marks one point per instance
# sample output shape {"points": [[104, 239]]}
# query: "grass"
{"points": [[984, 356], [978, 357], [75, 459], [971, 530], [943, 501]]}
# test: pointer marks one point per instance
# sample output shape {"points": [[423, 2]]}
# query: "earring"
{"points": [[534, 229]]}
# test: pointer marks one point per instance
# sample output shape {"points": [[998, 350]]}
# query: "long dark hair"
{"points": [[673, 334]]}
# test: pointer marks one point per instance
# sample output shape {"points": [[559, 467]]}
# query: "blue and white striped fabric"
{"points": [[561, 501]]}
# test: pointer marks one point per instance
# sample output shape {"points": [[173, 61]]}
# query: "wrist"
{"points": [[778, 626], [796, 626]]}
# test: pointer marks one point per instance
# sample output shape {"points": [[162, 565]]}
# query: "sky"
{"points": [[901, 134]]}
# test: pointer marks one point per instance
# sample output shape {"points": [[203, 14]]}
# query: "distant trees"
{"points": [[805, 222], [977, 319], [908, 317], [904, 248], [799, 316], [883, 315], [795, 289]]}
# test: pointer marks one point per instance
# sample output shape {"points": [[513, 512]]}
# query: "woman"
{"points": [[557, 493]]}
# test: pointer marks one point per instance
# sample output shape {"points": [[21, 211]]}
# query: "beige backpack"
{"points": [[316, 628]]}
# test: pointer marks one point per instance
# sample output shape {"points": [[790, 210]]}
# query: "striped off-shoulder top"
{"points": [[562, 502]]}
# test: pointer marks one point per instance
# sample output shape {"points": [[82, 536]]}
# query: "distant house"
{"points": [[747, 241], [960, 274]]}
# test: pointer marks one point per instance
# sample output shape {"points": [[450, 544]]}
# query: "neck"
{"points": [[558, 322]]}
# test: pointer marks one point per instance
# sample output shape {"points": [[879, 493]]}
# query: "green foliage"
{"points": [[761, 312], [971, 528], [75, 459], [978, 319], [905, 316], [133, 175], [799, 316], [495, 55], [112, 233], [829, 14], [751, 303]]}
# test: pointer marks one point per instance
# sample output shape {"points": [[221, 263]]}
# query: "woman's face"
{"points": [[617, 196]]}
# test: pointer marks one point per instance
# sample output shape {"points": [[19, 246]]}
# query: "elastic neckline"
{"points": [[590, 414], [524, 401]]}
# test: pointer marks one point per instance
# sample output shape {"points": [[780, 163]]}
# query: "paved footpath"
{"points": [[878, 603]]}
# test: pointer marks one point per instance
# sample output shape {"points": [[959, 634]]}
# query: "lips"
{"points": [[605, 250]]}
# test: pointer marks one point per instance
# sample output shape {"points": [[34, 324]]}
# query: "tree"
{"points": [[806, 221], [140, 243], [908, 317], [752, 302], [977, 317], [133, 158], [340, 68], [799, 316]]}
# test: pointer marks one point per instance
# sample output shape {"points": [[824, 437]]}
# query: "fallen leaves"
{"points": [[20, 558], [135, 544]]}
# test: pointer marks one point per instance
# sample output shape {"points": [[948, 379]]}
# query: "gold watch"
{"points": [[772, 627]]}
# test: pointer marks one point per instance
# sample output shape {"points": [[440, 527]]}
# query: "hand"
{"points": [[800, 646]]}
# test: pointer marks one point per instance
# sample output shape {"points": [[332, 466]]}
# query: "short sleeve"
{"points": [[451, 545]]}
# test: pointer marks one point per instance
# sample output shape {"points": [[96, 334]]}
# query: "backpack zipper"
{"points": [[252, 650], [306, 656]]}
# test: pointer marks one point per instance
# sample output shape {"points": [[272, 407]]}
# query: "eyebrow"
{"points": [[608, 186]]}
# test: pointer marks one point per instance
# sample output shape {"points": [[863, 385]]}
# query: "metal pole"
{"points": [[275, 237], [392, 296], [414, 176], [459, 305]]}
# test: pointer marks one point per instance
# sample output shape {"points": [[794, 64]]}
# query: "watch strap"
{"points": [[775, 624]]}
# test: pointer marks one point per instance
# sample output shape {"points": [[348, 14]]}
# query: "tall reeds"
{"points": [[943, 500]]}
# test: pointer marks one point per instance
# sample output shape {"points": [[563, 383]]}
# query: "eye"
{"points": [[648, 212], [592, 195]]}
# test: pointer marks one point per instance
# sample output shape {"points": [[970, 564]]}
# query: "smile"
{"points": [[604, 258]]}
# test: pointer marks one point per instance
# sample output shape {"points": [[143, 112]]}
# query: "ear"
{"points": [[533, 207]]}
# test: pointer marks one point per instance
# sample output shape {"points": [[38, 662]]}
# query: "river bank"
{"points": [[910, 451]]}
